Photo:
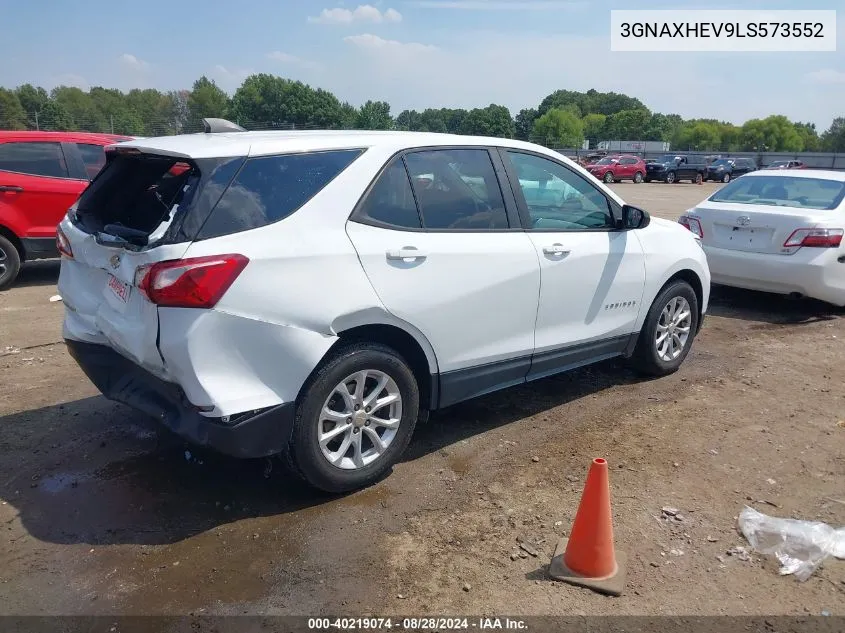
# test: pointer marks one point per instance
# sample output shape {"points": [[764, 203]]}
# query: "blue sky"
{"points": [[413, 54]]}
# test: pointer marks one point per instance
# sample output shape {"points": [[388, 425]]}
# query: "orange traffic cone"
{"points": [[587, 558]]}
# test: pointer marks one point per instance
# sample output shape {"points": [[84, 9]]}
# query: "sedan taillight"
{"points": [[817, 238], [693, 224]]}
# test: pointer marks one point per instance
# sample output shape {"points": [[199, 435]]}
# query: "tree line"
{"points": [[564, 119]]}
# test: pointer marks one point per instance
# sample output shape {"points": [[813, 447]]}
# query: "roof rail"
{"points": [[218, 126]]}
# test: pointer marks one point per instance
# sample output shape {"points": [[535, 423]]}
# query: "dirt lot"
{"points": [[103, 513]]}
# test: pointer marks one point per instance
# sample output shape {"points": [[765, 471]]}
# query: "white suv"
{"points": [[314, 294]]}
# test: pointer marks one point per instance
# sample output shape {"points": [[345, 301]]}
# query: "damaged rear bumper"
{"points": [[255, 434]]}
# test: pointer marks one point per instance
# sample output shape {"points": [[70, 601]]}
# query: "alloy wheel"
{"points": [[673, 329]]}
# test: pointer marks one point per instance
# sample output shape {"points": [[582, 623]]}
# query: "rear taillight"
{"points": [[63, 244], [818, 238], [198, 282], [693, 224]]}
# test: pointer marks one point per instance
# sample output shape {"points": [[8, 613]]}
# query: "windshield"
{"points": [[722, 161], [779, 163], [606, 161], [783, 191]]}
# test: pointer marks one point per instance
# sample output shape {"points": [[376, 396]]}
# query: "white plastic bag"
{"points": [[800, 546]]}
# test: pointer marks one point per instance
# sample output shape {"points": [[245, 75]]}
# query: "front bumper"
{"points": [[248, 435]]}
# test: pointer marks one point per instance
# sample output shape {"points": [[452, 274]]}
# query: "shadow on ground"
{"points": [[769, 309], [94, 472], [43, 272]]}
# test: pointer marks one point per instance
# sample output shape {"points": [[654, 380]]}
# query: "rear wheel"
{"points": [[608, 177], [669, 329], [355, 418], [638, 177], [10, 263], [726, 178], [698, 179]]}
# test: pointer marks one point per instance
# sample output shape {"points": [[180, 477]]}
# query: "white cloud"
{"points": [[496, 5], [132, 62], [368, 41], [292, 60], [826, 76], [363, 13], [230, 78]]}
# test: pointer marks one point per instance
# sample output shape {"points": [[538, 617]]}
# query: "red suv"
{"points": [[616, 168], [41, 176]]}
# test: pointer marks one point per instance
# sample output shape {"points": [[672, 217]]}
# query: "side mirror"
{"points": [[634, 218]]}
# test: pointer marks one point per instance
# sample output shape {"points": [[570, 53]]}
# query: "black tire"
{"points": [[670, 177], [10, 263], [304, 455], [608, 177], [698, 179], [638, 177], [726, 178], [645, 358], [648, 179]]}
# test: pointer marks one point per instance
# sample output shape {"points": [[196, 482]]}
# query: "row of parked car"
{"points": [[673, 168]]}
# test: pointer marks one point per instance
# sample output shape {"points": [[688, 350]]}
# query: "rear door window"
{"points": [[270, 188], [36, 159], [457, 189], [391, 202], [94, 157]]}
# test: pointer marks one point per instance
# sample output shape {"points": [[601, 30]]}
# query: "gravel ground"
{"points": [[102, 512]]}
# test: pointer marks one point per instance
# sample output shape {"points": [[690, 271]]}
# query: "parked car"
{"points": [[617, 168], [674, 168], [725, 169], [776, 232], [787, 164], [41, 175], [308, 294]]}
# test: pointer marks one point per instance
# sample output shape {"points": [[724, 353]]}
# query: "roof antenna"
{"points": [[218, 126]]}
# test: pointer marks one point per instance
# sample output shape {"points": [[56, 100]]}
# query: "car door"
{"points": [[628, 165], [592, 276], [439, 239], [36, 187]]}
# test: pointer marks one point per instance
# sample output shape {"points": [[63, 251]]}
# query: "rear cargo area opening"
{"points": [[134, 194]]}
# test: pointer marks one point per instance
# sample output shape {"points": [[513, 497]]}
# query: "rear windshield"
{"points": [[135, 193], [270, 188], [785, 191]]}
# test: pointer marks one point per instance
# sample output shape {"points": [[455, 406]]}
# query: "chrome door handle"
{"points": [[407, 252], [555, 249]]}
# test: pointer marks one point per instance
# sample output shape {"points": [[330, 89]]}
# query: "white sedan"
{"points": [[776, 232]]}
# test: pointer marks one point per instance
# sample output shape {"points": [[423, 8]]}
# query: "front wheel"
{"points": [[670, 177], [669, 329], [638, 177], [726, 178], [698, 179], [608, 177], [10, 263], [355, 418]]}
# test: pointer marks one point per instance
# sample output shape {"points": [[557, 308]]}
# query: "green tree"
{"points": [[267, 99], [594, 128], [590, 102], [81, 109], [524, 123], [348, 115], [559, 128], [33, 100], [494, 120], [153, 108], [409, 120], [55, 118], [206, 100], [374, 115], [833, 140], [12, 114], [434, 121], [661, 127], [775, 133], [628, 125], [809, 136]]}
